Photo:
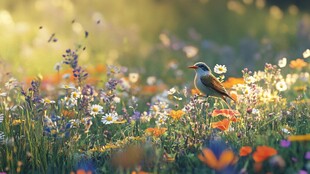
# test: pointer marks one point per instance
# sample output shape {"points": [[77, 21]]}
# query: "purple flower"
{"points": [[307, 155], [302, 172], [285, 143], [136, 115]]}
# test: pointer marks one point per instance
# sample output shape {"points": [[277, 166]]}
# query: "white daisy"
{"points": [[95, 110], [220, 69], [76, 94], [282, 62], [281, 86], [47, 101], [306, 53], [133, 77], [109, 118]]}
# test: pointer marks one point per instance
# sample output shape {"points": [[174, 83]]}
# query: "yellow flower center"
{"points": [[95, 109], [47, 100], [109, 118]]}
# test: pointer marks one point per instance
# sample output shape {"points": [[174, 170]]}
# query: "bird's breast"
{"points": [[206, 90]]}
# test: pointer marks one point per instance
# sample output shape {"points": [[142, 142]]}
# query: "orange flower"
{"points": [[176, 114], [82, 171], [231, 81], [222, 125], [263, 152], [68, 113], [229, 113], [195, 91], [225, 112], [299, 137], [226, 158], [245, 150], [298, 64], [152, 89], [156, 131]]}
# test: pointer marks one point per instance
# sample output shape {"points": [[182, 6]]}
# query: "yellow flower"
{"points": [[300, 88], [299, 137], [176, 114], [17, 122]]}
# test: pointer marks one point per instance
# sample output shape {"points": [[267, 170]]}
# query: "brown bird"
{"points": [[207, 83]]}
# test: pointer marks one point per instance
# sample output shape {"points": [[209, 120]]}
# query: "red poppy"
{"points": [[245, 150], [263, 152], [222, 125]]}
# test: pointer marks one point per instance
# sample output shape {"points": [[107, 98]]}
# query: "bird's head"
{"points": [[201, 68]]}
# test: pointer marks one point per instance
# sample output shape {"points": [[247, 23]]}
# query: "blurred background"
{"points": [[152, 37]]}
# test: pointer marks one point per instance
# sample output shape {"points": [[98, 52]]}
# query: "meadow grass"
{"points": [[79, 127]]}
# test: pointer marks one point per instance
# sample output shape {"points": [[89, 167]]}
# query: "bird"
{"points": [[207, 83]]}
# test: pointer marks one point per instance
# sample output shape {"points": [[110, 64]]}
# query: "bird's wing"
{"points": [[215, 84]]}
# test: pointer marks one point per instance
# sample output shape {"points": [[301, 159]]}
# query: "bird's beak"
{"points": [[193, 67]]}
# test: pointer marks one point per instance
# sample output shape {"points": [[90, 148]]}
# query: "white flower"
{"points": [[220, 69], [172, 91], [3, 94], [250, 80], [284, 130], [76, 94], [162, 119], [151, 80], [69, 102], [12, 83], [109, 118], [133, 77], [145, 117], [190, 51], [246, 91], [47, 101], [306, 53], [117, 99], [95, 109], [282, 62], [255, 111], [281, 86], [125, 85], [70, 86]]}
